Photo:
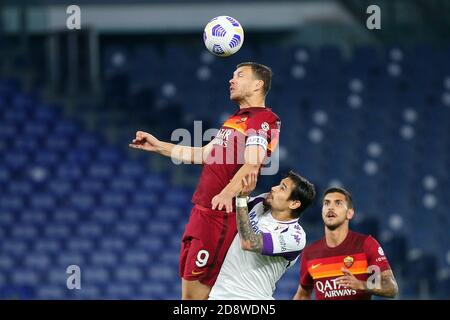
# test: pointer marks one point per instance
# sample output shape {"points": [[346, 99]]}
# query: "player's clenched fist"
{"points": [[145, 141]]}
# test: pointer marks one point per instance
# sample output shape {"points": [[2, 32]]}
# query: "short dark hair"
{"points": [[303, 191], [261, 72], [348, 196]]}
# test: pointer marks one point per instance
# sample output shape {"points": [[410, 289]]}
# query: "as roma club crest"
{"points": [[348, 261]]}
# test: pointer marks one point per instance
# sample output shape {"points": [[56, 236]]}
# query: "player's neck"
{"points": [[281, 215], [252, 102], [336, 237]]}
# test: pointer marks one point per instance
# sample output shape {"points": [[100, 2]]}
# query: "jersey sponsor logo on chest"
{"points": [[330, 289], [222, 137]]}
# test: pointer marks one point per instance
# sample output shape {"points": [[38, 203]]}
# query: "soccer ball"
{"points": [[223, 36]]}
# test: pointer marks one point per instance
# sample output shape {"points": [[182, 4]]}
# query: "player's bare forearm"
{"points": [[253, 160], [235, 185], [388, 286], [185, 154], [250, 240]]}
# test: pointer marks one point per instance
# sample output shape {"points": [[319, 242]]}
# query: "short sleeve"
{"points": [[375, 254], [306, 281], [263, 129], [287, 243]]}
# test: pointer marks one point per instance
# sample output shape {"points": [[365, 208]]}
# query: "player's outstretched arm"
{"points": [[302, 293], [185, 154]]}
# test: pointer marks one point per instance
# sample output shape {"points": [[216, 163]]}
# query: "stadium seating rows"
{"points": [[378, 124]]}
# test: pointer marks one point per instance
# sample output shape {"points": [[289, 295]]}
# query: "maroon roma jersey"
{"points": [[248, 126], [321, 265]]}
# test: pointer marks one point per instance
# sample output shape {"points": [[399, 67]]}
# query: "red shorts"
{"points": [[206, 240]]}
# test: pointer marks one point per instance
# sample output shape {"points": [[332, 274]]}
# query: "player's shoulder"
{"points": [[366, 240], [358, 236], [362, 237], [296, 235], [296, 227], [266, 114]]}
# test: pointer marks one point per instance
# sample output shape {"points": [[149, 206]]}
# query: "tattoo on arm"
{"points": [[388, 287], [246, 233]]}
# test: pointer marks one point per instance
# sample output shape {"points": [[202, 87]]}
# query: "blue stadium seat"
{"points": [[170, 257], [37, 217], [128, 274], [170, 212], [154, 291], [50, 292], [37, 261], [66, 215], [24, 231], [36, 130], [80, 245], [127, 230], [150, 242], [160, 272], [138, 213], [93, 186], [15, 247], [25, 277], [57, 231], [47, 158], [70, 258], [105, 215], [90, 230], [43, 201], [82, 201], [101, 170], [7, 263], [8, 130], [160, 228], [124, 184], [105, 258], [78, 157], [97, 276], [88, 292], [113, 244], [109, 155], [47, 246], [153, 182], [21, 187], [131, 169], [16, 159], [147, 200], [114, 199], [70, 172], [178, 196], [137, 258], [87, 141]]}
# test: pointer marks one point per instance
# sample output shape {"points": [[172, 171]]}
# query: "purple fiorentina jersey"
{"points": [[250, 275]]}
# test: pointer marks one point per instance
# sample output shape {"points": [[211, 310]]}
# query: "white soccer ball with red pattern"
{"points": [[223, 36]]}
